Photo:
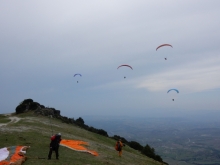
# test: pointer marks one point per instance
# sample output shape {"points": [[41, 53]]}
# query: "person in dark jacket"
{"points": [[54, 145]]}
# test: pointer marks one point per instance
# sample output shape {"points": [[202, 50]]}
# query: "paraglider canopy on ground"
{"points": [[77, 145], [13, 155]]}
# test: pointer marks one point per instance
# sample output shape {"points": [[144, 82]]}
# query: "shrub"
{"points": [[135, 145], [158, 158], [102, 132], [80, 121], [148, 151], [116, 137]]}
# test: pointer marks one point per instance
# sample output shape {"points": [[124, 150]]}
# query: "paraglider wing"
{"points": [[125, 65], [163, 45], [172, 90], [77, 74]]}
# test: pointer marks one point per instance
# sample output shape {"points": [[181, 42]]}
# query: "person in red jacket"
{"points": [[54, 145]]}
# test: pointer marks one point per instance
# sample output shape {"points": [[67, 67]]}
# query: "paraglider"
{"points": [[172, 90], [77, 74], [175, 90], [125, 65], [162, 46]]}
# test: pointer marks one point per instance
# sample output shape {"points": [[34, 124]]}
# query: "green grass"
{"points": [[4, 119], [35, 131]]}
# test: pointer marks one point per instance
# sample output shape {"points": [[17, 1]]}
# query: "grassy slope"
{"points": [[4, 119], [36, 131]]}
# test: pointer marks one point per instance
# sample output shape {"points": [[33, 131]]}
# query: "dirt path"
{"points": [[13, 119]]}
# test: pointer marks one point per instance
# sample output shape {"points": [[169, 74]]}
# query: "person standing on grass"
{"points": [[118, 147], [54, 145]]}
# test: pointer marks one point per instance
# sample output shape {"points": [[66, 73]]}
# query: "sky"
{"points": [[44, 43]]}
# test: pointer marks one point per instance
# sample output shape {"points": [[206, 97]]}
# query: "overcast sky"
{"points": [[44, 43]]}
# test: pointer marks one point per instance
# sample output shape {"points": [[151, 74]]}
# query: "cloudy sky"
{"points": [[44, 43]]}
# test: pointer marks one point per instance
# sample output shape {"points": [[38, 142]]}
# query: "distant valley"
{"points": [[178, 140]]}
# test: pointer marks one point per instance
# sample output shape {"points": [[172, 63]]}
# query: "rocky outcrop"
{"points": [[47, 112], [30, 105]]}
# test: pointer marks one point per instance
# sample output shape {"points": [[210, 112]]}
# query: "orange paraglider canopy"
{"points": [[77, 145], [13, 155]]}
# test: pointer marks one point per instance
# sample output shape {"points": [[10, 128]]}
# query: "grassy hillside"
{"points": [[36, 131]]}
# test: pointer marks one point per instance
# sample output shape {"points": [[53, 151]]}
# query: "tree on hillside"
{"points": [[158, 158], [135, 145], [80, 121], [150, 152], [102, 132], [117, 137]]}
